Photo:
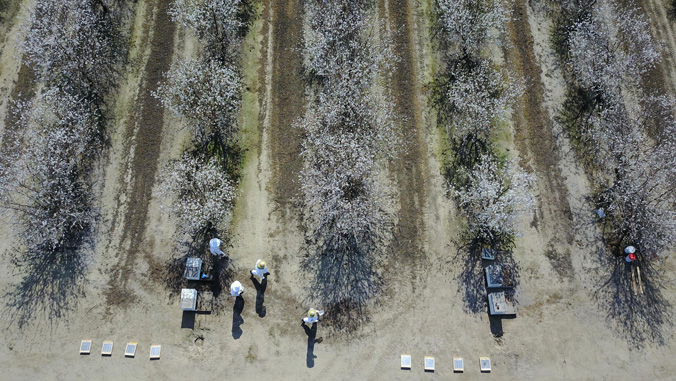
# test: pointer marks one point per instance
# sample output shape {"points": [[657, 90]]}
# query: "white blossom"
{"points": [[76, 43], [469, 23], [214, 21], [203, 193], [495, 197], [43, 176], [611, 48], [207, 94]]}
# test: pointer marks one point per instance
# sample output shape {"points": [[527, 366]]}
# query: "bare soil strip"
{"points": [[663, 77], [287, 102], [144, 133], [534, 139], [409, 168]]}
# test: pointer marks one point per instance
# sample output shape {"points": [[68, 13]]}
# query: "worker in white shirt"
{"points": [[313, 316], [236, 289], [261, 269], [214, 247], [629, 251]]}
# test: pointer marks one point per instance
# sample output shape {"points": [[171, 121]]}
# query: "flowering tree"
{"points": [[611, 48], [495, 196], [640, 197], [215, 22], [204, 193], [470, 96], [469, 23], [43, 175], [349, 131], [208, 95], [76, 43]]}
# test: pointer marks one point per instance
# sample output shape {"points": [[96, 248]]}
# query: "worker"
{"points": [[313, 316], [261, 269], [236, 289], [631, 257], [214, 247]]}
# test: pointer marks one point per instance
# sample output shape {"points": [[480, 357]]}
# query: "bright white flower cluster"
{"points": [[74, 47], [204, 192], [472, 96], [476, 96], [469, 23], [75, 43], [348, 128], [207, 94], [630, 137], [611, 48], [43, 175], [495, 197], [215, 22]]}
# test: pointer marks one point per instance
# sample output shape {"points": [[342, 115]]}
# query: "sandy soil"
{"points": [[561, 332]]}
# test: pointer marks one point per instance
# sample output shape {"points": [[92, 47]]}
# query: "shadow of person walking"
{"points": [[311, 333], [237, 319], [260, 295]]}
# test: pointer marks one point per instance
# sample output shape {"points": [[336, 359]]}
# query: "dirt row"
{"points": [[561, 331]]}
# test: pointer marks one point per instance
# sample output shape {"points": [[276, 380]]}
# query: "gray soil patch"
{"points": [[287, 101], [23, 91], [533, 135], [144, 131], [409, 168]]}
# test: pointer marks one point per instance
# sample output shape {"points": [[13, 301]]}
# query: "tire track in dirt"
{"points": [[409, 168], [23, 82], [287, 101], [662, 78], [143, 136], [534, 139]]}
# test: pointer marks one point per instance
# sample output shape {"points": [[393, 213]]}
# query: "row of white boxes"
{"points": [[458, 363], [129, 350]]}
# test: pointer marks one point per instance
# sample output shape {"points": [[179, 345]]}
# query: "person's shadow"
{"points": [[311, 333], [260, 295], [237, 319]]}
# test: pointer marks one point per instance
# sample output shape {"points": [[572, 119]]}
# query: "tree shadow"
{"points": [[52, 280], [344, 282], [219, 268], [237, 319], [260, 295], [311, 333], [639, 318], [472, 282]]}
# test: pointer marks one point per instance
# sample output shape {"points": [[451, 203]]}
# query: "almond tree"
{"points": [[468, 24], [349, 131], [610, 49], [215, 22], [76, 43], [208, 95], [43, 176], [471, 96], [495, 197], [640, 196], [204, 194]]}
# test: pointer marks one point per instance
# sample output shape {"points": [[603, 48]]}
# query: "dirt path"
{"points": [[17, 80], [663, 77], [143, 137], [409, 170], [535, 141], [287, 100]]}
